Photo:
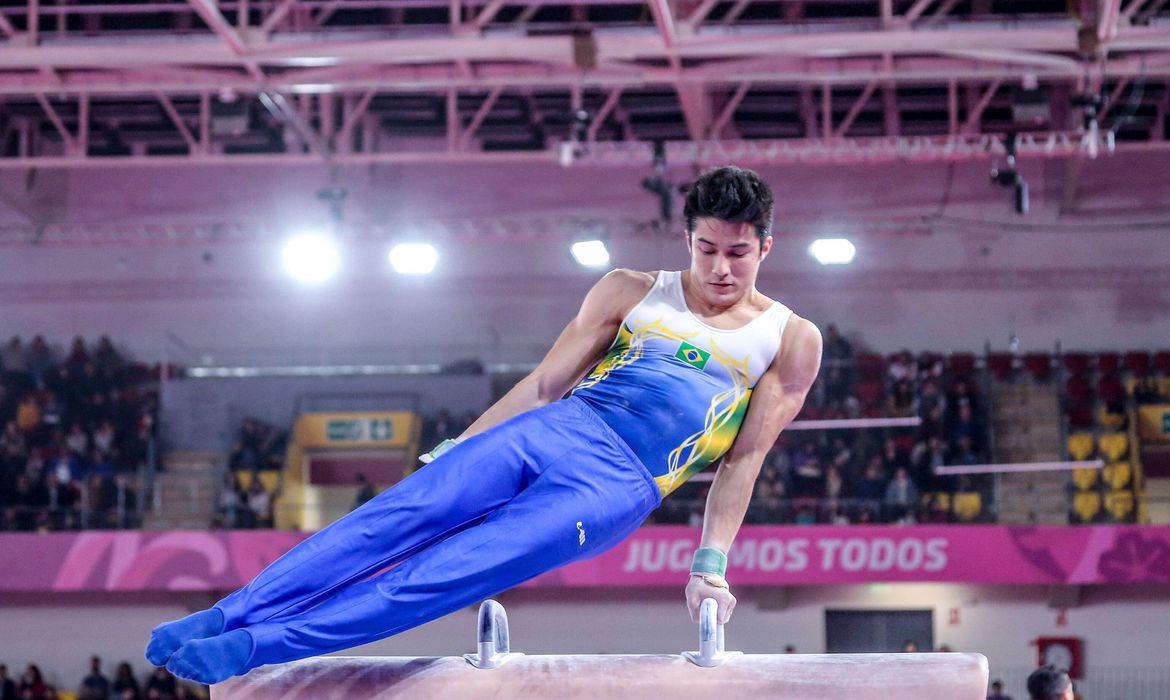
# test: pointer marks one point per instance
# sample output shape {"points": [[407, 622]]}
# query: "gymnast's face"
{"points": [[725, 259]]}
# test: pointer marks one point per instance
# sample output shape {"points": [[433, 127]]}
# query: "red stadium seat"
{"points": [[870, 366], [1108, 362], [962, 363], [1079, 416], [1137, 361], [871, 393], [1000, 364], [1039, 364], [1110, 389], [809, 412], [1076, 362], [1162, 360], [1078, 390]]}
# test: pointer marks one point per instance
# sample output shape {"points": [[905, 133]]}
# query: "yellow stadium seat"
{"points": [[1085, 479], [1080, 445], [270, 478], [1119, 504], [1117, 475], [942, 498], [1113, 421], [1086, 505], [968, 505], [1114, 446]]}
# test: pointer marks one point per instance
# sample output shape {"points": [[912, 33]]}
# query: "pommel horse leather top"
{"points": [[710, 674]]}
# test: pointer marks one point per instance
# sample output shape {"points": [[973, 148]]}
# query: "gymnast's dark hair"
{"points": [[731, 194], [1048, 683]]}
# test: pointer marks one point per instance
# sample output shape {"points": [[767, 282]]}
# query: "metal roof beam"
{"points": [[977, 110], [275, 17], [611, 101], [209, 12], [485, 108], [855, 110], [611, 46], [728, 111], [177, 120], [66, 137]]}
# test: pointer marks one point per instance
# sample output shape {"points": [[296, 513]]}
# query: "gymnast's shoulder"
{"points": [[624, 282], [617, 292]]}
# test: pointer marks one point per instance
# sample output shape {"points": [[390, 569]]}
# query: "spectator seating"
{"points": [[1086, 506], [968, 505], [1113, 446], [962, 364], [1076, 362], [1117, 475], [1162, 361], [1078, 390], [1001, 364], [1119, 505], [1039, 365], [1107, 418], [871, 367], [1110, 389], [1080, 446], [269, 478], [1085, 479], [1137, 361], [1108, 362]]}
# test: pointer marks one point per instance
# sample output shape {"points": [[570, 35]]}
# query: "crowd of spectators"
{"points": [[869, 474], [76, 427], [96, 685], [259, 447]]}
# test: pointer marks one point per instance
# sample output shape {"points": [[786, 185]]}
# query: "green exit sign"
{"points": [[359, 430]]}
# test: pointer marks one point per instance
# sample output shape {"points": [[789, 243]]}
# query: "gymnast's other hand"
{"points": [[705, 585]]}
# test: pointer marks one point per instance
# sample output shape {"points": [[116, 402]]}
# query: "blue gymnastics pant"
{"points": [[549, 487]]}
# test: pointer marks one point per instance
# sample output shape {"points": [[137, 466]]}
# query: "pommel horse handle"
{"points": [[710, 653], [494, 646]]}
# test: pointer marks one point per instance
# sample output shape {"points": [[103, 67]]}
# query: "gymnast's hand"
{"points": [[704, 585]]}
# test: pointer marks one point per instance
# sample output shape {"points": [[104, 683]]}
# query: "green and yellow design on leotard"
{"points": [[628, 348], [674, 389], [720, 426]]}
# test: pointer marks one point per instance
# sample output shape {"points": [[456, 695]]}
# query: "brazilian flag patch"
{"points": [[693, 356]]}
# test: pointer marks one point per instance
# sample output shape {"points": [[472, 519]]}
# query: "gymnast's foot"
{"points": [[214, 659], [169, 636]]}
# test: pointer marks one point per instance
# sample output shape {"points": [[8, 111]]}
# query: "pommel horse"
{"points": [[710, 673]]}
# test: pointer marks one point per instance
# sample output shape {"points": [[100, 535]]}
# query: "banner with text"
{"points": [[653, 556]]}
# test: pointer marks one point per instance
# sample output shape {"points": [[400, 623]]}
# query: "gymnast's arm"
{"points": [[775, 401], [579, 347]]}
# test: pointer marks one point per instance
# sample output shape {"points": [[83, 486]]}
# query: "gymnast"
{"points": [[666, 373]]}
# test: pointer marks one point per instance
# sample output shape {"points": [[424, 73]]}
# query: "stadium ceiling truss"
{"points": [[90, 83]]}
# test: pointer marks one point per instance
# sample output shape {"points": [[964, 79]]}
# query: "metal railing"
{"points": [[122, 513]]}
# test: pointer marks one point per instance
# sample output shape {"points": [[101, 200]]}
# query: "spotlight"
{"points": [[311, 258], [413, 258], [833, 251], [592, 253]]}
